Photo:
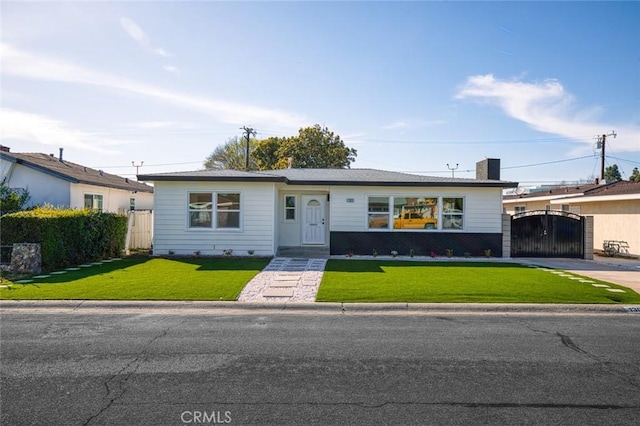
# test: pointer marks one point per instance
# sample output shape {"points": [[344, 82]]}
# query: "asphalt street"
{"points": [[85, 367]]}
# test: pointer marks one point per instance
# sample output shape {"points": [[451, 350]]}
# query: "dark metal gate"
{"points": [[547, 233]]}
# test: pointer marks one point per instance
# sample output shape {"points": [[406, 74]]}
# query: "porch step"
{"points": [[304, 252]]}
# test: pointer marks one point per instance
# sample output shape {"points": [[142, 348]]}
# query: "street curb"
{"points": [[293, 307]]}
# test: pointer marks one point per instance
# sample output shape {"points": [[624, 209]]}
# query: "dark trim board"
{"points": [[422, 243]]}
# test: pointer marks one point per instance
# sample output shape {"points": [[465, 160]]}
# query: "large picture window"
{"points": [[415, 213], [378, 212]]}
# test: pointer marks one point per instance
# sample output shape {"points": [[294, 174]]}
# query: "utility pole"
{"points": [[602, 141], [453, 169], [248, 131], [137, 167]]}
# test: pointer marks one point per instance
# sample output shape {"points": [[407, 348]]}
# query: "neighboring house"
{"points": [[58, 182], [541, 200], [615, 208], [339, 210]]}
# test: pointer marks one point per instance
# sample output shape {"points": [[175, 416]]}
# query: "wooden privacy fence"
{"points": [[139, 230]]}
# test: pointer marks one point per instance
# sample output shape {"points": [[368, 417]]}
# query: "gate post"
{"points": [[506, 235], [588, 237]]}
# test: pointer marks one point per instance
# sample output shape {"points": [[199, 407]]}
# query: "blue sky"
{"points": [[413, 86]]}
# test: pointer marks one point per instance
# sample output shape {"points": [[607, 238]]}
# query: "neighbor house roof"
{"points": [[72, 172], [561, 191], [616, 191], [342, 177]]}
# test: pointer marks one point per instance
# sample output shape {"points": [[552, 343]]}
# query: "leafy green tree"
{"points": [[232, 155], [267, 154], [612, 173], [314, 147], [635, 175], [11, 200]]}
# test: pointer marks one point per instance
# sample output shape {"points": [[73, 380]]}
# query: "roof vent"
{"points": [[60, 156], [5, 148], [101, 172], [126, 180]]}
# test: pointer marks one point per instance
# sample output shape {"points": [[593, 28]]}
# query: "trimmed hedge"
{"points": [[67, 237]]}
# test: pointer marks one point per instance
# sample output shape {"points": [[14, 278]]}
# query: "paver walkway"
{"points": [[285, 279]]}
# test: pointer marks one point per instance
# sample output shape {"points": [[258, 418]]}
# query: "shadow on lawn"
{"points": [[343, 265], [225, 263], [202, 264]]}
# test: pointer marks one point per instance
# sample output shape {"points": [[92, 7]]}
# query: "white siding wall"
{"points": [[42, 187], [114, 200], [483, 206], [171, 231]]}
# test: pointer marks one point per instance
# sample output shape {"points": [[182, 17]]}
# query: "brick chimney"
{"points": [[489, 168]]}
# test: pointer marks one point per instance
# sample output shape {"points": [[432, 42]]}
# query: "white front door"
{"points": [[313, 219]]}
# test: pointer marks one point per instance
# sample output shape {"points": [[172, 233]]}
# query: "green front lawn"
{"points": [[144, 279], [459, 282]]}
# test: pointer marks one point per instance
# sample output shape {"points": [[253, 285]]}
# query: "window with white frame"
{"points": [[453, 213], [228, 210], [132, 204], [93, 202], [378, 212], [214, 210], [200, 210], [416, 212], [520, 209], [289, 208]]}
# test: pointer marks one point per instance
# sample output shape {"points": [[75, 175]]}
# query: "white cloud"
{"points": [[27, 127], [395, 125], [163, 125], [140, 37], [20, 63], [411, 123], [547, 107], [171, 68]]}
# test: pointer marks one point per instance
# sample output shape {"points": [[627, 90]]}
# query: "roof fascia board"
{"points": [[160, 178], [596, 198], [407, 184], [547, 198], [46, 170]]}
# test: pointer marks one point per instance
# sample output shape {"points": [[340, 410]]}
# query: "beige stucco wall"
{"points": [[614, 220]]}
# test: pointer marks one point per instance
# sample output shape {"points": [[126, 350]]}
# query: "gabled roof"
{"points": [[72, 172], [341, 177]]}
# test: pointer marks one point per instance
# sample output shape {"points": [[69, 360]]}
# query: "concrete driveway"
{"points": [[622, 271]]}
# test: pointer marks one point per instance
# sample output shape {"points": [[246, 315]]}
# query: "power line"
{"points": [[545, 163]]}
